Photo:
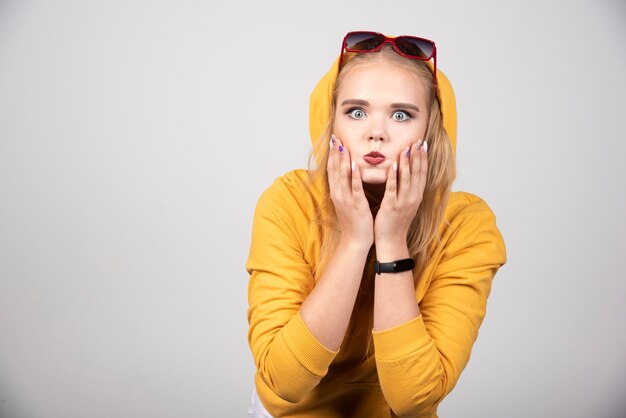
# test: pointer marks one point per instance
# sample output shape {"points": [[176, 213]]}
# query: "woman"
{"points": [[369, 278]]}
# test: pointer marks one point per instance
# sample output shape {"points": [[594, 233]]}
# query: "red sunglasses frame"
{"points": [[392, 41]]}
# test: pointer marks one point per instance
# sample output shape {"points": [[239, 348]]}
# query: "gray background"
{"points": [[136, 137]]}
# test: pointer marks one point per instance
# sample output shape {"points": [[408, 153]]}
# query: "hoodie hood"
{"points": [[321, 99]]}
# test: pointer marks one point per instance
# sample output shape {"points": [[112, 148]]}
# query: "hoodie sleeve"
{"points": [[420, 361], [289, 359]]}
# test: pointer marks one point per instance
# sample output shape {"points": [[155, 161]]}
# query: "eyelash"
{"points": [[408, 115], [353, 109]]}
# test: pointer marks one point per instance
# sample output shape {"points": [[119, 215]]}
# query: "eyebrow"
{"points": [[359, 102], [355, 102], [405, 106]]}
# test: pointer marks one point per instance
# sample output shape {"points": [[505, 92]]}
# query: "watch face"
{"points": [[394, 266], [404, 265]]}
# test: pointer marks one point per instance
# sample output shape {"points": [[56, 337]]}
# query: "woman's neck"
{"points": [[374, 194]]}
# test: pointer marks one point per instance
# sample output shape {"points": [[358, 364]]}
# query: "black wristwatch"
{"points": [[394, 266]]}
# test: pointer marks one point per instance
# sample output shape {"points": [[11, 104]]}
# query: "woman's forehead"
{"points": [[382, 80]]}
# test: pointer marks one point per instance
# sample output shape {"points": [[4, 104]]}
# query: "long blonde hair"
{"points": [[423, 232]]}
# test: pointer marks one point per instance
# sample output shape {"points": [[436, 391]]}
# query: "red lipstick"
{"points": [[374, 158]]}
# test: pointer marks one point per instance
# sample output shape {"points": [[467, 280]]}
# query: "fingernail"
{"points": [[353, 166], [395, 166], [425, 147], [340, 148], [332, 140], [408, 151]]}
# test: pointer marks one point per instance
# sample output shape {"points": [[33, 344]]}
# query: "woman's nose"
{"points": [[377, 132]]}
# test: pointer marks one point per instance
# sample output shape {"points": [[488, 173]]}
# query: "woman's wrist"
{"points": [[354, 244], [389, 250]]}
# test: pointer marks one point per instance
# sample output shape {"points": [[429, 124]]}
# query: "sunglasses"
{"points": [[407, 46]]}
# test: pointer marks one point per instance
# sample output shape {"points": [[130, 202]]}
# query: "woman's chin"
{"points": [[374, 178]]}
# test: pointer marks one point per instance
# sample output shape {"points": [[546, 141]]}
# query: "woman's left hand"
{"points": [[403, 195]]}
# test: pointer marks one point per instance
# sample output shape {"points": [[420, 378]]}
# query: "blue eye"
{"points": [[400, 115], [356, 113]]}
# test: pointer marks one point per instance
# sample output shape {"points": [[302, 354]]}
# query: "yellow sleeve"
{"points": [[288, 358], [420, 361]]}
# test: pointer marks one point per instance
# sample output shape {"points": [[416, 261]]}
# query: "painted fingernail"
{"points": [[408, 152], [395, 166], [353, 166], [425, 147], [340, 148], [332, 140]]}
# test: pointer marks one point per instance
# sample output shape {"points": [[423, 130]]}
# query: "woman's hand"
{"points": [[346, 192], [404, 190]]}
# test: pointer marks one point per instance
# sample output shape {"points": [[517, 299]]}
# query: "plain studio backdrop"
{"points": [[137, 136]]}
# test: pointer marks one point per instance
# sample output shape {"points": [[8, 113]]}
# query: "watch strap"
{"points": [[397, 266]]}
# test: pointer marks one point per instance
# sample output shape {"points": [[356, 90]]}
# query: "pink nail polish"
{"points": [[425, 147], [395, 166], [353, 166]]}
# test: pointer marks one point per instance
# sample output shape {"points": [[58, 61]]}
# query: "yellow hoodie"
{"points": [[413, 365]]}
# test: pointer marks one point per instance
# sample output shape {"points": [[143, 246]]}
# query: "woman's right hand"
{"points": [[346, 192]]}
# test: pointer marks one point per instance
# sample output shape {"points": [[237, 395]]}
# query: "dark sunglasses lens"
{"points": [[363, 41], [415, 47]]}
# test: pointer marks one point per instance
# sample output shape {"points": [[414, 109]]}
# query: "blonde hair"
{"points": [[423, 232]]}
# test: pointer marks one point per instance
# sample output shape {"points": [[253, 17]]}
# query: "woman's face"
{"points": [[380, 111]]}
